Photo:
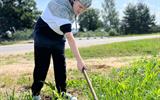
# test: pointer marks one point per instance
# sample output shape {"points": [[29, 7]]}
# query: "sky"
{"points": [[154, 6]]}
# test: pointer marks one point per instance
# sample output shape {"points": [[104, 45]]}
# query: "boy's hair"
{"points": [[71, 1], [86, 3]]}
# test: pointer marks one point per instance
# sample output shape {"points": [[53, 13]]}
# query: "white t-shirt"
{"points": [[54, 22]]}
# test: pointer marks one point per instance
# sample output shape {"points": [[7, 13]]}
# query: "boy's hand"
{"points": [[81, 65]]}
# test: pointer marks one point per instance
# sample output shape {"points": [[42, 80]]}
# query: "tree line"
{"points": [[17, 15], [137, 19]]}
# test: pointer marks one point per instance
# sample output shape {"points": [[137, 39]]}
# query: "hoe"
{"points": [[89, 83]]}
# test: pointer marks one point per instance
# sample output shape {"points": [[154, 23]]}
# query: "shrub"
{"points": [[22, 35], [113, 32]]}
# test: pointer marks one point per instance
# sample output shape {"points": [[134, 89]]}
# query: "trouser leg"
{"points": [[59, 70], [42, 60]]}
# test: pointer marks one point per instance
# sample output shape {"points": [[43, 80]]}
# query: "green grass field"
{"points": [[138, 81], [131, 48]]}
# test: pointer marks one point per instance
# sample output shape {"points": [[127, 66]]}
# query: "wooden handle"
{"points": [[89, 83]]}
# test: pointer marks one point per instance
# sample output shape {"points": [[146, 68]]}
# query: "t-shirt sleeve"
{"points": [[65, 28]]}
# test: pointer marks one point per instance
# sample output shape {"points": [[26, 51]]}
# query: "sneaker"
{"points": [[37, 97], [69, 96]]}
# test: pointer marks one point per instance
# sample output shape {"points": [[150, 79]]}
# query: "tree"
{"points": [[137, 19], [145, 19], [110, 15], [1, 3], [90, 20], [19, 14], [129, 20]]}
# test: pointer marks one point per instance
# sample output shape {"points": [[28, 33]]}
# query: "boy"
{"points": [[49, 40]]}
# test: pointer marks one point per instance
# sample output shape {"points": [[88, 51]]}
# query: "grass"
{"points": [[140, 81], [7, 81], [158, 33], [24, 79], [15, 59], [98, 33], [21, 80], [3, 43], [8, 43], [129, 48]]}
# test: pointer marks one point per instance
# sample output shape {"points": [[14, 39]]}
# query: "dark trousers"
{"points": [[42, 61]]}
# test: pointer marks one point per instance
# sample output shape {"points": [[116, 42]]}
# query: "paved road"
{"points": [[21, 48]]}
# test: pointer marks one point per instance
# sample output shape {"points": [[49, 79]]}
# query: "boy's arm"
{"points": [[74, 48]]}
